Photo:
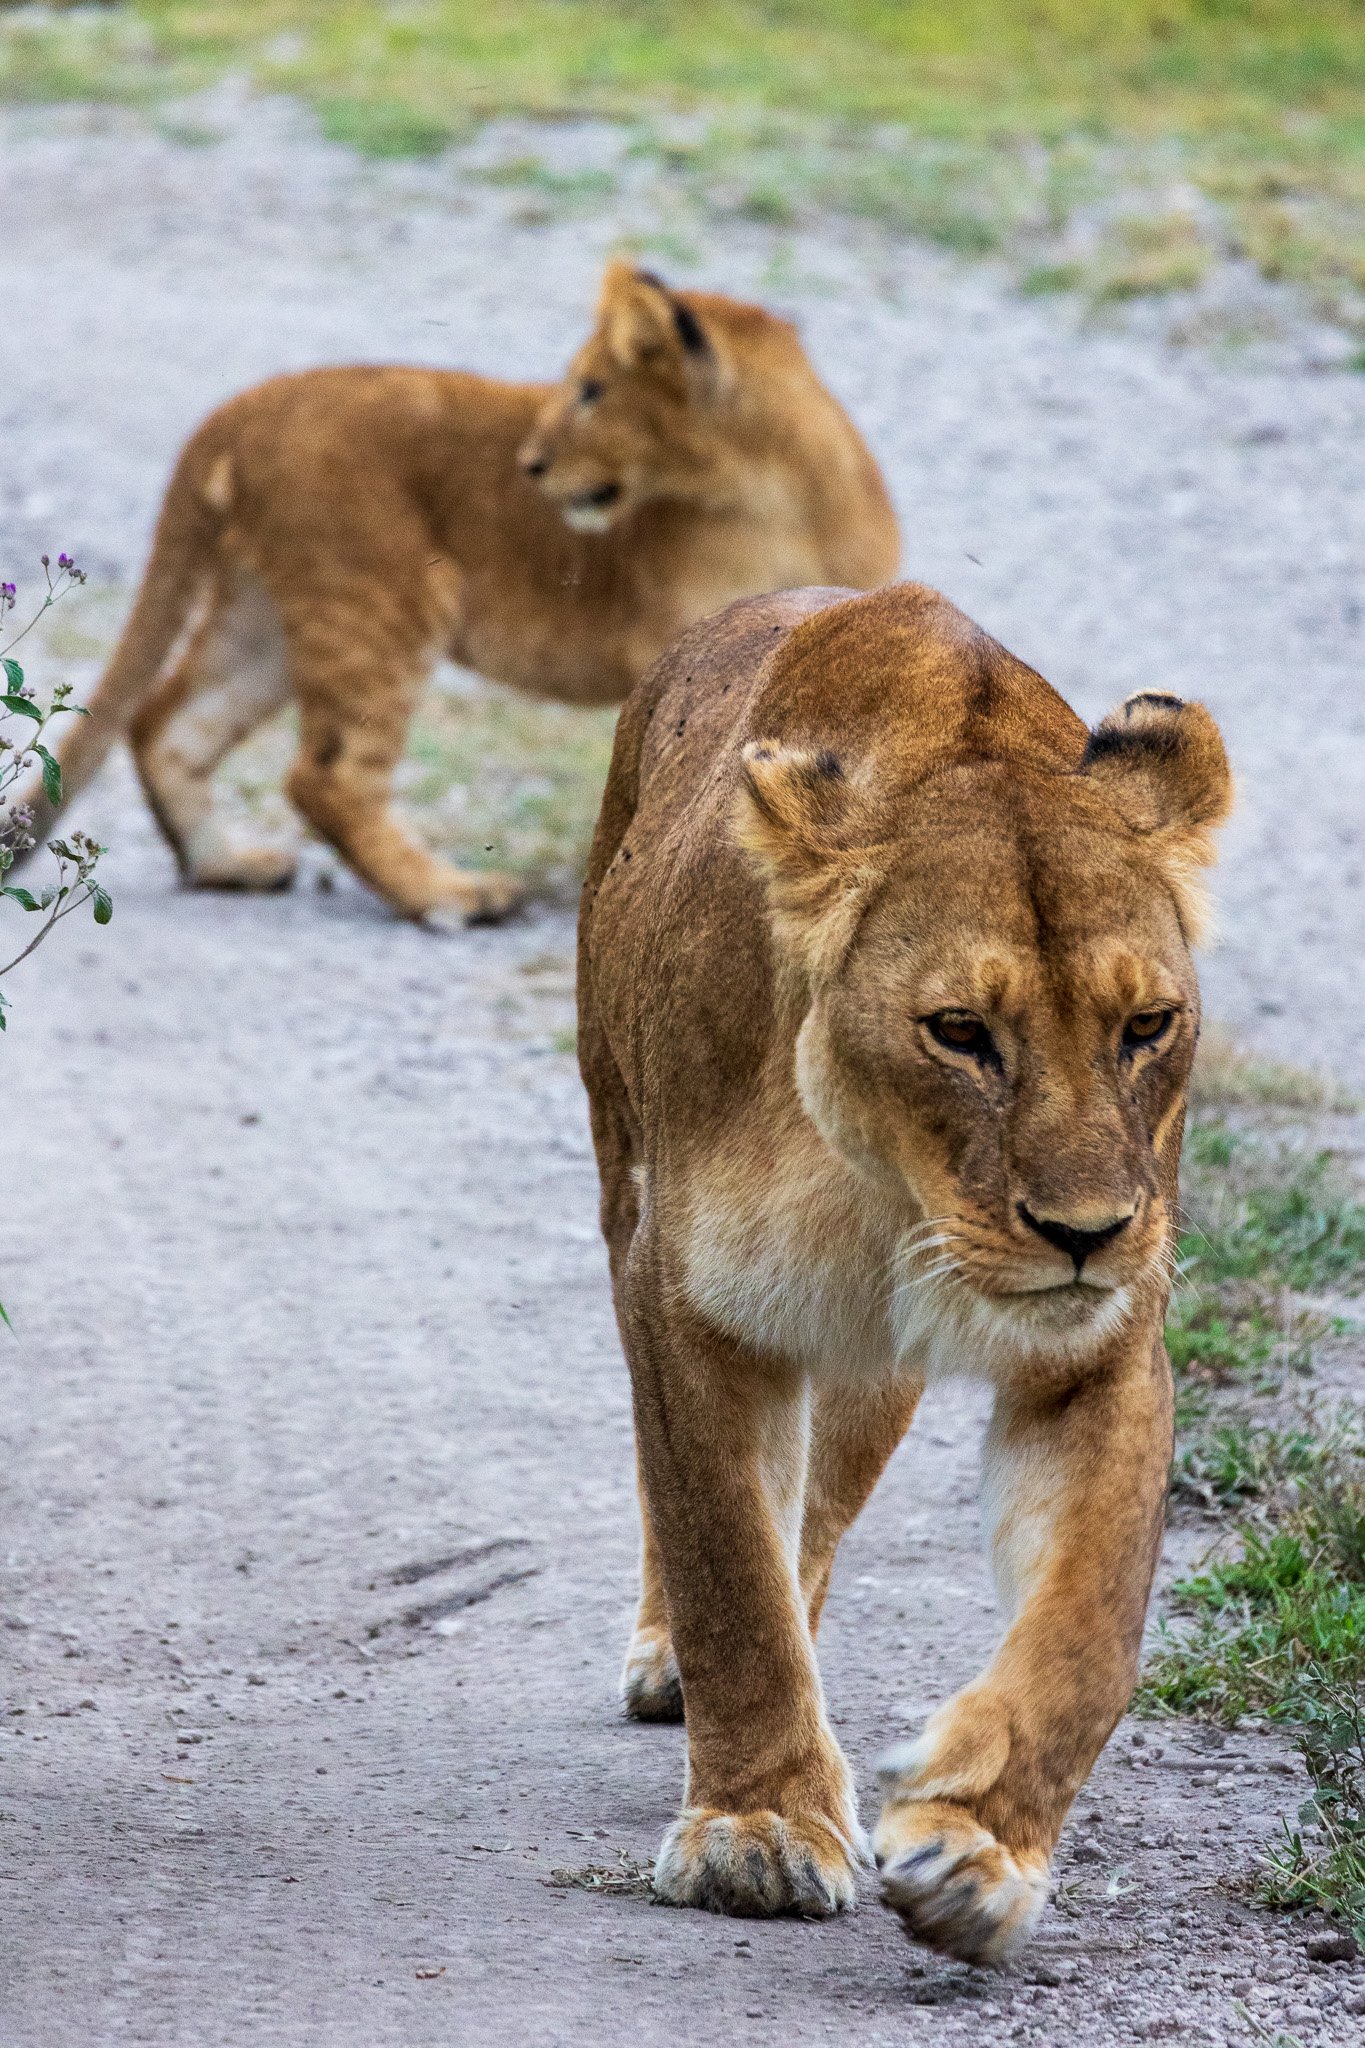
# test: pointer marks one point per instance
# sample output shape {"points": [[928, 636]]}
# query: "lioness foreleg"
{"points": [[769, 1823], [1074, 1486]]}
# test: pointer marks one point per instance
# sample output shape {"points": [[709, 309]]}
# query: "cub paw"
{"points": [[955, 1887], [258, 868], [756, 1865], [475, 898], [651, 1689]]}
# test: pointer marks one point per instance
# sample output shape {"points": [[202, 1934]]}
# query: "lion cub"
{"points": [[887, 1013], [328, 536]]}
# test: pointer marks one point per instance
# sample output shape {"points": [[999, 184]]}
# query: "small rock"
{"points": [[1156, 2029], [1088, 1851], [1045, 1973], [254, 1678], [1242, 1987], [1298, 2014], [1334, 1947], [1355, 2003]]}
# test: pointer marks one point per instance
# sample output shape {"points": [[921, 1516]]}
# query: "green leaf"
{"points": [[104, 908], [21, 705], [52, 775], [4, 1312], [24, 897], [14, 675]]}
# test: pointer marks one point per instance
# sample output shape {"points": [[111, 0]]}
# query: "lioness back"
{"points": [[886, 1014], [329, 535]]}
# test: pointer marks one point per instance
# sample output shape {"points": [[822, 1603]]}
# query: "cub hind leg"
{"points": [[230, 679], [358, 677]]}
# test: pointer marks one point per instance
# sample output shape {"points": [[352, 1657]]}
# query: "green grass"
{"points": [[980, 124], [1268, 1212], [1242, 1460], [1273, 1624]]}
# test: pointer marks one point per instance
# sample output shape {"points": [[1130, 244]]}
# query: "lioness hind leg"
{"points": [[1075, 1486], [230, 679], [769, 1823], [854, 1431], [651, 1684]]}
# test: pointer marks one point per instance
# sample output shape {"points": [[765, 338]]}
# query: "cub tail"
{"points": [[174, 587]]}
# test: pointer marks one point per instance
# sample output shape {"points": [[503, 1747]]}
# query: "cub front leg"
{"points": [[768, 1822], [1074, 1489]]}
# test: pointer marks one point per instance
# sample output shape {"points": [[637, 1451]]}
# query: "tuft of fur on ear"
{"points": [[809, 831], [1162, 763], [644, 321]]}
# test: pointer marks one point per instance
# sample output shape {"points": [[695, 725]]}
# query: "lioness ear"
{"points": [[643, 321], [811, 835], [1163, 765]]}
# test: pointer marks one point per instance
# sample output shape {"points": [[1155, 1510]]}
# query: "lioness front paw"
{"points": [[756, 1864], [651, 1688], [955, 1887]]}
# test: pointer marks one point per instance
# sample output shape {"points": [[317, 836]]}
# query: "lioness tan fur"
{"points": [[329, 535], [887, 1012]]}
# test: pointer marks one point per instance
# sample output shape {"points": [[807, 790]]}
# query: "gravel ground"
{"points": [[317, 1508]]}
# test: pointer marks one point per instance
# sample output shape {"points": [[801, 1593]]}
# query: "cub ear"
{"points": [[644, 321], [1162, 763], [811, 834]]}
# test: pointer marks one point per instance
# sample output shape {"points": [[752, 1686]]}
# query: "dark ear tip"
{"points": [[691, 333], [1160, 700]]}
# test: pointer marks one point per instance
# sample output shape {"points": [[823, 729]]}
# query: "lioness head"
{"points": [[1000, 1005], [635, 417]]}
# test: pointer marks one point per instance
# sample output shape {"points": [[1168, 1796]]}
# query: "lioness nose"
{"points": [[1077, 1244], [533, 462]]}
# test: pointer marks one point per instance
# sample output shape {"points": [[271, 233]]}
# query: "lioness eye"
{"points": [[1147, 1027], [961, 1032], [590, 390]]}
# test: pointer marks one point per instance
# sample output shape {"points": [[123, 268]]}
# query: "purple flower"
{"points": [[65, 562]]}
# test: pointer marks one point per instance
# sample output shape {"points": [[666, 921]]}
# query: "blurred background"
{"points": [[1090, 277]]}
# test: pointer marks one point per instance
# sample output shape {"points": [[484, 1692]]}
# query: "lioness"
{"points": [[887, 1014], [329, 535]]}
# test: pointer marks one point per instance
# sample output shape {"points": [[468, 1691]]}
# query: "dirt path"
{"points": [[318, 1529]]}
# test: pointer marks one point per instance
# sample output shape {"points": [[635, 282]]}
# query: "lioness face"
{"points": [[1009, 1039], [630, 422], [1002, 1007]]}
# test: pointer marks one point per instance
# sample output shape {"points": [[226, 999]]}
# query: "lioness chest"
{"points": [[798, 1258]]}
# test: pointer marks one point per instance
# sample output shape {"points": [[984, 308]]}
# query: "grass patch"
{"points": [[1243, 1460], [499, 780], [1321, 1862], [1273, 1624], [1226, 1076], [973, 123], [1148, 255], [1270, 1213], [383, 128]]}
